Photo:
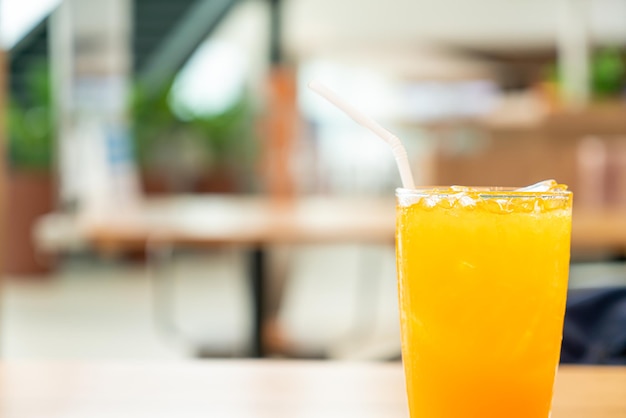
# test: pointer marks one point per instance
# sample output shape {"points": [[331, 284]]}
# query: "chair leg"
{"points": [[160, 257]]}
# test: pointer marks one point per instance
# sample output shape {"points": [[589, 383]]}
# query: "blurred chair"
{"points": [[595, 327]]}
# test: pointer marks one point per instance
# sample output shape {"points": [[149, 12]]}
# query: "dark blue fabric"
{"points": [[594, 331]]}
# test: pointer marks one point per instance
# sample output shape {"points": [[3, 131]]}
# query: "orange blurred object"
{"points": [[280, 131], [29, 196]]}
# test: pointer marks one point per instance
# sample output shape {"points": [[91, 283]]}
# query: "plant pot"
{"points": [[29, 196], [221, 179]]}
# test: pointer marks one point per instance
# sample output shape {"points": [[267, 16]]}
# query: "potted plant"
{"points": [[30, 190], [182, 151]]}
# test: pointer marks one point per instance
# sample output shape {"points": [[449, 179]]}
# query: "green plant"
{"points": [[224, 140], [607, 73], [31, 131], [229, 135]]}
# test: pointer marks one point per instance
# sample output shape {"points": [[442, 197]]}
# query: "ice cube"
{"points": [[466, 201], [542, 186], [456, 188], [431, 201], [505, 205], [498, 205]]}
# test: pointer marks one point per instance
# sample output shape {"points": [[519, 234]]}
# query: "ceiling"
{"points": [[315, 25], [442, 38]]}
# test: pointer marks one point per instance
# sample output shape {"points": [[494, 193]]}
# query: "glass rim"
{"points": [[483, 192]]}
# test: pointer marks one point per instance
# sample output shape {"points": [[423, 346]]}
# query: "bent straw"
{"points": [[399, 152]]}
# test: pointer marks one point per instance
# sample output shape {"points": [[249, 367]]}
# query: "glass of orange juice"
{"points": [[482, 278]]}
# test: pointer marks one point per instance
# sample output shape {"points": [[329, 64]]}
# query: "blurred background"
{"points": [[116, 110]]}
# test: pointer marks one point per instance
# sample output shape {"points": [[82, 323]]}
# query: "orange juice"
{"points": [[482, 281]]}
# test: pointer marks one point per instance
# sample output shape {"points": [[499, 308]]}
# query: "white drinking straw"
{"points": [[399, 152]]}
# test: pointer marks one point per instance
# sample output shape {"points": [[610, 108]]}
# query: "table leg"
{"points": [[258, 282], [160, 258]]}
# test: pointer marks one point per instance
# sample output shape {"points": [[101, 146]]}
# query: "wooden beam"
{"points": [[3, 140], [201, 19], [280, 132]]}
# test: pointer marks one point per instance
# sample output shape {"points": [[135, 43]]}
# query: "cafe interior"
{"points": [[184, 218]]}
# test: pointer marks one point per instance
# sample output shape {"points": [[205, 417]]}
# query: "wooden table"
{"points": [[246, 220], [256, 222], [252, 223], [256, 389]]}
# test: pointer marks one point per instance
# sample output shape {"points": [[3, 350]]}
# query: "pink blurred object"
{"points": [[592, 173]]}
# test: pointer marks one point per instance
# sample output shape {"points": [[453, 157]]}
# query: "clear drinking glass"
{"points": [[482, 279]]}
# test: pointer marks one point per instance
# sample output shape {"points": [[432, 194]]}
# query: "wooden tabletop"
{"points": [[245, 220], [256, 389], [219, 219]]}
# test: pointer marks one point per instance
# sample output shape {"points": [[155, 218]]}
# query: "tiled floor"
{"points": [[104, 310], [340, 299]]}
